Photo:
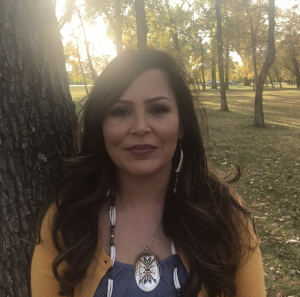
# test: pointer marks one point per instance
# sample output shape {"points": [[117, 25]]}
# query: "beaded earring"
{"points": [[178, 168]]}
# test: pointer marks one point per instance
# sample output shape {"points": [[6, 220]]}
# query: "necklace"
{"points": [[147, 268]]}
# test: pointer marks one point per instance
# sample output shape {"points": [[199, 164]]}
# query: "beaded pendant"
{"points": [[147, 271]]}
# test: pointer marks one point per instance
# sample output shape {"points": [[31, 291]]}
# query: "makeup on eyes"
{"points": [[124, 107]]}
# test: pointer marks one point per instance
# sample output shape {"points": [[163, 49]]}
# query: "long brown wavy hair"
{"points": [[204, 218]]}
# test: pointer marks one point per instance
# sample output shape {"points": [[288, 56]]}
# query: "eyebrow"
{"points": [[150, 100]]}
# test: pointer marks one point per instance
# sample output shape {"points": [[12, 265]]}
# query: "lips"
{"points": [[142, 149]]}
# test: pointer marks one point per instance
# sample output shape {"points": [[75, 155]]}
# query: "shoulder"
{"points": [[46, 225]]}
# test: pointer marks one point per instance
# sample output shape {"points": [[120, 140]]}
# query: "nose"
{"points": [[140, 125]]}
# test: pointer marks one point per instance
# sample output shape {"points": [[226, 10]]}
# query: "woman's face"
{"points": [[141, 129]]}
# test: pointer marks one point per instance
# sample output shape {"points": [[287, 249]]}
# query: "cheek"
{"points": [[169, 131], [113, 134]]}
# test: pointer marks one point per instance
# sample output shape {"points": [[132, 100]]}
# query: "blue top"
{"points": [[125, 284]]}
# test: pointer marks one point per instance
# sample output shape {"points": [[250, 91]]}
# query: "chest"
{"points": [[129, 242]]}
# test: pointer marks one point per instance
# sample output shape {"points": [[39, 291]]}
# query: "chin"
{"points": [[146, 168]]}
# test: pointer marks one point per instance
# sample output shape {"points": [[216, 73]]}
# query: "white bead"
{"points": [[110, 287], [176, 280]]}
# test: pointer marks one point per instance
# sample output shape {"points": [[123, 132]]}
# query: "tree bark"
{"points": [[94, 77], [37, 121], [220, 56], [141, 24], [258, 106]]}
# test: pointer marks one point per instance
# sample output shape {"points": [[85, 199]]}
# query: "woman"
{"points": [[140, 190]]}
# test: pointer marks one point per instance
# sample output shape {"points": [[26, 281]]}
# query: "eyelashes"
{"points": [[120, 112], [155, 110]]}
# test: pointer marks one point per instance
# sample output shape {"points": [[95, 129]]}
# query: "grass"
{"points": [[270, 160]]}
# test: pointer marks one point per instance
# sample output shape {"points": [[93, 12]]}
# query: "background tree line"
{"points": [[202, 34]]}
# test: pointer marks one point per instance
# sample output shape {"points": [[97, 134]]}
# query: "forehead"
{"points": [[151, 83]]}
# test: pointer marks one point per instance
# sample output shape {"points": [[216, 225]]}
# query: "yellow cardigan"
{"points": [[249, 280]]}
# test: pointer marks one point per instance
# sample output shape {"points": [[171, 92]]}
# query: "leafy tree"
{"points": [[289, 45], [113, 12], [258, 107]]}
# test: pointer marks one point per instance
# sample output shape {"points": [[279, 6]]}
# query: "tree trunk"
{"points": [[258, 106], [141, 24], [213, 73], [173, 27], [297, 72], [220, 56], [227, 66], [254, 60], [278, 77], [202, 66], [247, 81], [87, 48], [271, 80], [37, 121]]}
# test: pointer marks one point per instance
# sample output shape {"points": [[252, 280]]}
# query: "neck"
{"points": [[144, 191]]}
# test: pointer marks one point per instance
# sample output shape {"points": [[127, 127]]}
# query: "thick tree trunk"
{"points": [[141, 24], [227, 66], [220, 56], [37, 121], [94, 77], [258, 106]]}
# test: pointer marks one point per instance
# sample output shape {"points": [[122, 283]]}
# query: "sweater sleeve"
{"points": [[250, 275], [43, 282]]}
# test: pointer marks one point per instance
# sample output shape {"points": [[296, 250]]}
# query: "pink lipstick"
{"points": [[142, 149]]}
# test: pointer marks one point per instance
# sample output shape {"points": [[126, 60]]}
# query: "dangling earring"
{"points": [[178, 168]]}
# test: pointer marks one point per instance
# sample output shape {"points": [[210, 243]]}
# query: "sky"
{"points": [[96, 34]]}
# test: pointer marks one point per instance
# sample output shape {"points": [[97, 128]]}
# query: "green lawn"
{"points": [[270, 159]]}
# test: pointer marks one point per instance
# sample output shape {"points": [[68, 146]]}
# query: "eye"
{"points": [[120, 112], [159, 109]]}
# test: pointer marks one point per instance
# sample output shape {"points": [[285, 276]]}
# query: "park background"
{"points": [[242, 57]]}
